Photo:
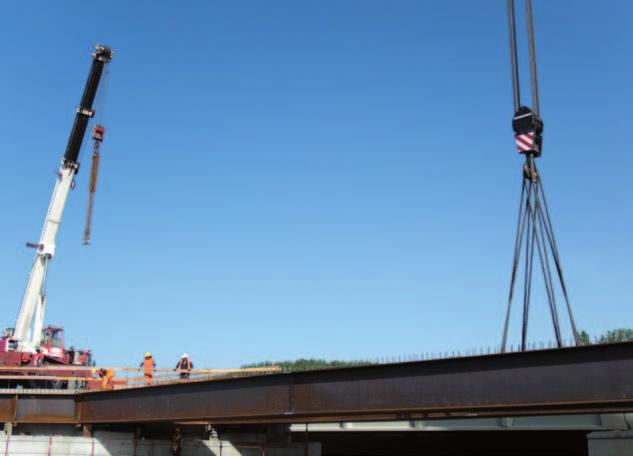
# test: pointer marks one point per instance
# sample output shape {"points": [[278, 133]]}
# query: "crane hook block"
{"points": [[528, 132], [98, 132]]}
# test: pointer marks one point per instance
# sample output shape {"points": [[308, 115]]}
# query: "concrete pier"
{"points": [[125, 444], [610, 443]]}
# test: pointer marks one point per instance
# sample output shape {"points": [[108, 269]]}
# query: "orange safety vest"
{"points": [[185, 364], [107, 379], [148, 366]]}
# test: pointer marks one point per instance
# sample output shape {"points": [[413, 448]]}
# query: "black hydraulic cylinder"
{"points": [[100, 58]]}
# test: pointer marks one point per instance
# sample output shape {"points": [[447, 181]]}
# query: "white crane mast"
{"points": [[34, 300], [28, 327]]}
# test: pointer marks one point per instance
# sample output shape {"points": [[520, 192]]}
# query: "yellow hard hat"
{"points": [[94, 370], [148, 354]]}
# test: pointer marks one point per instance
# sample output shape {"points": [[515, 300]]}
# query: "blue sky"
{"points": [[331, 179]]}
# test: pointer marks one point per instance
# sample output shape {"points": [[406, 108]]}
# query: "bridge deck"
{"points": [[589, 379]]}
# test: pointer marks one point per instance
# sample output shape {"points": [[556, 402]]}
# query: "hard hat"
{"points": [[184, 355], [94, 370], [148, 354]]}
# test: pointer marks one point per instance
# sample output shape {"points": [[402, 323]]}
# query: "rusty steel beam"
{"points": [[589, 379], [38, 408], [592, 379], [8, 404]]}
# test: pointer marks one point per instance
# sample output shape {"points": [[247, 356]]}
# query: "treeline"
{"points": [[614, 335], [305, 364]]}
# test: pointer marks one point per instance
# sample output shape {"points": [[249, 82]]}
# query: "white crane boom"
{"points": [[28, 327], [34, 298]]}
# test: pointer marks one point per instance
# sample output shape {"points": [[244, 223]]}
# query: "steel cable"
{"points": [[516, 90], [515, 264], [534, 220], [532, 51], [547, 275], [554, 247]]}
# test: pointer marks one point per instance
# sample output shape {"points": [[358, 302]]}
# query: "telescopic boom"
{"points": [[28, 327]]}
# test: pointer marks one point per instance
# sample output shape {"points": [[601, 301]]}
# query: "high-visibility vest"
{"points": [[148, 366], [107, 378]]}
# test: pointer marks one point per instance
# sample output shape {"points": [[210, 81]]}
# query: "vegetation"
{"points": [[307, 364], [303, 364], [584, 338], [614, 335]]}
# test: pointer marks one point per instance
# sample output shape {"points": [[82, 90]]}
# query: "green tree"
{"points": [[617, 335], [303, 364], [611, 336], [583, 338]]}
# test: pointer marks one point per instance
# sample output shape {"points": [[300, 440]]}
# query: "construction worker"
{"points": [[184, 365], [106, 375], [148, 366]]}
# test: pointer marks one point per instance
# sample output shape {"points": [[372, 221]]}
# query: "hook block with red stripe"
{"points": [[528, 132], [98, 132]]}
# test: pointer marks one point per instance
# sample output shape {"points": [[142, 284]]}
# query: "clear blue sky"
{"points": [[332, 179]]}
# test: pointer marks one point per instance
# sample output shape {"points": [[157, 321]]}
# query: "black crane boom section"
{"points": [[100, 58]]}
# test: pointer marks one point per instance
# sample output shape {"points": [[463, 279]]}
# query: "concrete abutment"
{"points": [[36, 440]]}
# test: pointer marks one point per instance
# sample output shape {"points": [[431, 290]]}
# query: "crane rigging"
{"points": [[534, 227], [97, 135], [24, 343]]}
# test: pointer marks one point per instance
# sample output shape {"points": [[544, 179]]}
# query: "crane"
{"points": [[25, 339]]}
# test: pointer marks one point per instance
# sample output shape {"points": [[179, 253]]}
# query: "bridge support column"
{"points": [[610, 443]]}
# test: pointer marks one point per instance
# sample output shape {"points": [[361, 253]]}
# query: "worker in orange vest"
{"points": [[184, 366], [148, 366], [106, 375]]}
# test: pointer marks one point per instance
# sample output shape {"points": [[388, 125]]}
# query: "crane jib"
{"points": [[101, 57]]}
